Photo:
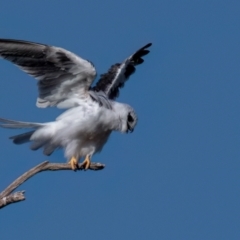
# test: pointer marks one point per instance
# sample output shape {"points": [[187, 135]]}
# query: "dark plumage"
{"points": [[118, 74]]}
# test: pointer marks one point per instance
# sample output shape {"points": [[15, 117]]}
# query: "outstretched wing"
{"points": [[60, 73], [118, 74]]}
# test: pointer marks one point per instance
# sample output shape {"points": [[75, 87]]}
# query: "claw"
{"points": [[74, 163], [86, 163]]}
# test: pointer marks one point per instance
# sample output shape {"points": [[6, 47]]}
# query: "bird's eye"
{"points": [[130, 118]]}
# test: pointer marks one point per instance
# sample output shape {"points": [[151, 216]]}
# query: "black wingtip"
{"points": [[136, 58], [143, 50], [148, 45]]}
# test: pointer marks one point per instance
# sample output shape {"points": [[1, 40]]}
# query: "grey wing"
{"points": [[61, 74], [118, 74]]}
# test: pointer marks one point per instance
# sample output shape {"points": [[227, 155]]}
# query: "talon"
{"points": [[86, 163], [74, 163]]}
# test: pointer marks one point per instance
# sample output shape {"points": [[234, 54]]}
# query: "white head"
{"points": [[127, 116], [131, 120]]}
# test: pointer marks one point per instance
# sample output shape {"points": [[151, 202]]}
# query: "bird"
{"points": [[64, 80]]}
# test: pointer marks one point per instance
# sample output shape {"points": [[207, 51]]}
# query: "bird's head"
{"points": [[131, 121]]}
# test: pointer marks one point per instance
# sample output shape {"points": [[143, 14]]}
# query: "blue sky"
{"points": [[177, 176]]}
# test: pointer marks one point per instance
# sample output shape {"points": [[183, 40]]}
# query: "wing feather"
{"points": [[60, 73], [118, 74]]}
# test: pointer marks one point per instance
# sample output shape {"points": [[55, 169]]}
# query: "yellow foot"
{"points": [[86, 163], [74, 163]]}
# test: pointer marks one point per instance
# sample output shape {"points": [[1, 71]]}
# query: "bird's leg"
{"points": [[87, 161], [74, 163]]}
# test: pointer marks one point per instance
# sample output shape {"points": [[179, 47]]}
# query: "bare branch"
{"points": [[7, 197], [12, 198], [22, 179]]}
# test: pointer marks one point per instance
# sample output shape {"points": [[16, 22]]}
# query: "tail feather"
{"points": [[37, 144], [7, 123], [45, 142], [49, 149], [22, 138]]}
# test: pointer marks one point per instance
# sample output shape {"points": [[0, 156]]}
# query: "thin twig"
{"points": [[7, 197]]}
